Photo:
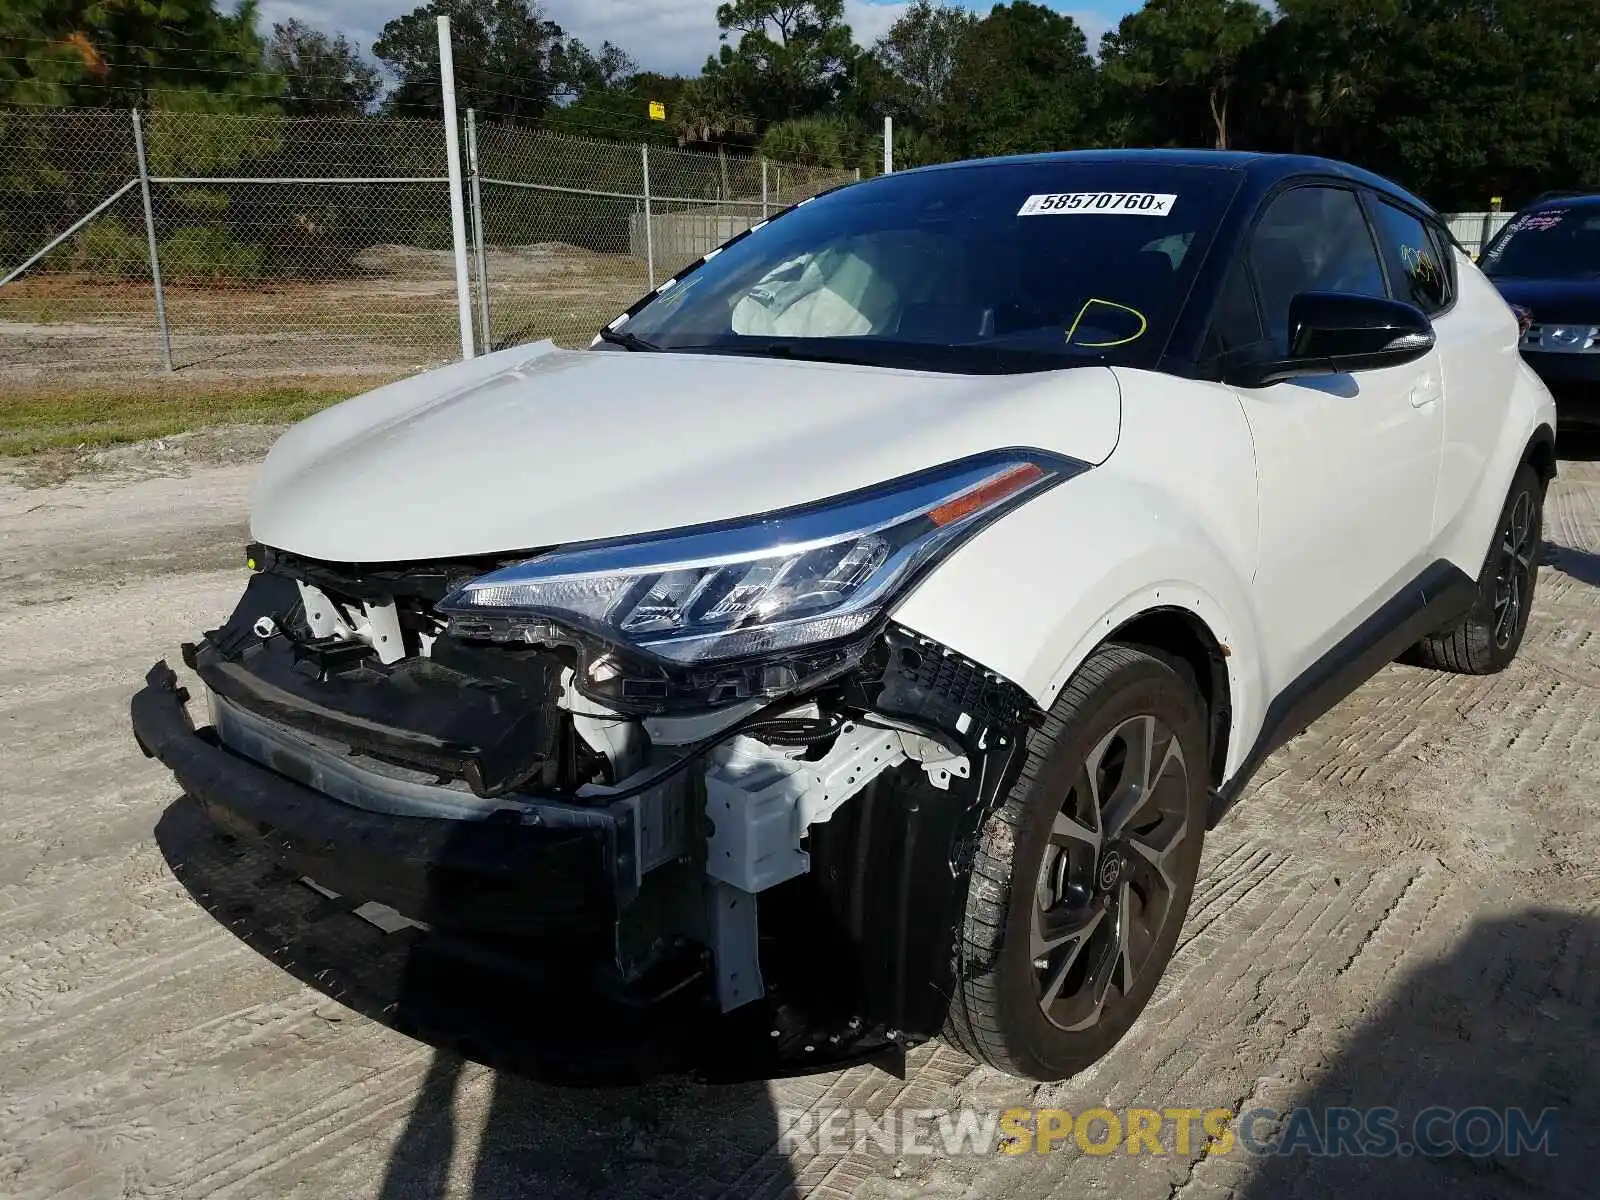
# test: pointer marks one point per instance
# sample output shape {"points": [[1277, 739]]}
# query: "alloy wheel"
{"points": [[1106, 885], [1513, 582]]}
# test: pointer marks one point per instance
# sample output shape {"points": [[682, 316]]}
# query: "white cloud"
{"points": [[677, 35], [672, 36], [1095, 26], [869, 21]]}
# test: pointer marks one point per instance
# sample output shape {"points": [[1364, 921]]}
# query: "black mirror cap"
{"points": [[1332, 333], [1357, 331]]}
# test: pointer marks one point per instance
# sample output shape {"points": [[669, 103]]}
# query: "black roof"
{"points": [[1262, 170]]}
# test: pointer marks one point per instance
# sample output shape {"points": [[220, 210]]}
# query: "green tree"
{"points": [[1173, 67], [582, 70], [508, 57], [321, 74], [1022, 80], [180, 54], [1318, 71], [909, 74], [621, 110], [1459, 100], [781, 59], [713, 110], [821, 141], [919, 54]]}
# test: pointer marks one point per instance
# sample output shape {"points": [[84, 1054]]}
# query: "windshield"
{"points": [[1000, 266], [1556, 243]]}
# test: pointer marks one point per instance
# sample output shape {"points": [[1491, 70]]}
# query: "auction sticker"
{"points": [[1138, 204]]}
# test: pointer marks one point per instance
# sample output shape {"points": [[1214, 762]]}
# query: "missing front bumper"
{"points": [[509, 875]]}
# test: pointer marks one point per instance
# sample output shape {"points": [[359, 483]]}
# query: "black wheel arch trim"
{"points": [[1541, 453]]}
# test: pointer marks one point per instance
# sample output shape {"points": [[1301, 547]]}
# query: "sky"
{"points": [[671, 36]]}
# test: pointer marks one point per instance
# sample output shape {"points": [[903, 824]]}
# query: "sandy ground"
{"points": [[1402, 912], [397, 317]]}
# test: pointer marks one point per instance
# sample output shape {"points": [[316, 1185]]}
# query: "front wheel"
{"points": [[1083, 876]]}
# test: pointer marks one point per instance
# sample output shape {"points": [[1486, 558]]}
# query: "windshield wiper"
{"points": [[629, 341]]}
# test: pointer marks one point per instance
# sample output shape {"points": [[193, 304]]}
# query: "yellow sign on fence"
{"points": [[658, 111]]}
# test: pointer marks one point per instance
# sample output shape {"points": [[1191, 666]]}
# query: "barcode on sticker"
{"points": [[1141, 204]]}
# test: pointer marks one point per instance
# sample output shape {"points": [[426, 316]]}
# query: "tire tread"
{"points": [[973, 1024]]}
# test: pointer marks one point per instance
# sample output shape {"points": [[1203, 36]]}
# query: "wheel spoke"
{"points": [[1049, 932], [1133, 799], [1068, 830], [1059, 971], [1509, 612], [1125, 939], [1156, 856], [1521, 518], [1105, 967]]}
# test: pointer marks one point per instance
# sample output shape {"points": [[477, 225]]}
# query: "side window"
{"points": [[1416, 273], [1236, 322], [1311, 239]]}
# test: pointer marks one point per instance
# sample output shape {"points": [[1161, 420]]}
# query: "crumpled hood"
{"points": [[537, 446]]}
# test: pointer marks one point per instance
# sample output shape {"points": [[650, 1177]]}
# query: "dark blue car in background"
{"points": [[1546, 263]]}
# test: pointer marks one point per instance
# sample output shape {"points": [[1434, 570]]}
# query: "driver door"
{"points": [[1347, 464]]}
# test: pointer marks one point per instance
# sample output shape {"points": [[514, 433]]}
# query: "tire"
{"points": [[1489, 636], [1038, 881]]}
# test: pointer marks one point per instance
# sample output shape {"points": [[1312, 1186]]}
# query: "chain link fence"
{"points": [[276, 246], [262, 245]]}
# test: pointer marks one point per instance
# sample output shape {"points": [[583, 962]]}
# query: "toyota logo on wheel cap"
{"points": [[1110, 871]]}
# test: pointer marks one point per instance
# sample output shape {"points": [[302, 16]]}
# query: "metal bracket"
{"points": [[761, 801], [734, 934], [939, 761]]}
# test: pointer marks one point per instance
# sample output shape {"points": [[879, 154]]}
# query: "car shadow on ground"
{"points": [[1510, 1020], [1582, 565], [561, 1121]]}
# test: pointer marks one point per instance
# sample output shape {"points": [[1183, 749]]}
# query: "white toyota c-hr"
{"points": [[856, 642]]}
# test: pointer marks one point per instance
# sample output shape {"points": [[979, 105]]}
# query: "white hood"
{"points": [[536, 446]]}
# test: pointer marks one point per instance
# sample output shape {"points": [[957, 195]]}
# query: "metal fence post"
{"points": [[1485, 232], [763, 189], [649, 233], [888, 145], [458, 210], [487, 335], [150, 237]]}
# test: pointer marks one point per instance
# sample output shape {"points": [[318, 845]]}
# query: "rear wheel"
{"points": [[1488, 637], [1083, 876]]}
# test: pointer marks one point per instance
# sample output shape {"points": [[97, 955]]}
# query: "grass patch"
{"points": [[52, 418]]}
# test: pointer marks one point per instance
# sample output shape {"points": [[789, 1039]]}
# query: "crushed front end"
{"points": [[779, 839]]}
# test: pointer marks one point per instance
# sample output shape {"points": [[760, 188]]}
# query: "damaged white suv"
{"points": [[856, 642]]}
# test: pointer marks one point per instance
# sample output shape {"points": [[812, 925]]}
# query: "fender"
{"points": [[1032, 596]]}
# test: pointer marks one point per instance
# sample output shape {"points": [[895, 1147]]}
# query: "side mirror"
{"points": [[1331, 333]]}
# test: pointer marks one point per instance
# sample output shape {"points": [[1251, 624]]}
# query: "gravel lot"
{"points": [[1404, 911]]}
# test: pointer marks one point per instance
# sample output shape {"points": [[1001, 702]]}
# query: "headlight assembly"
{"points": [[764, 586]]}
